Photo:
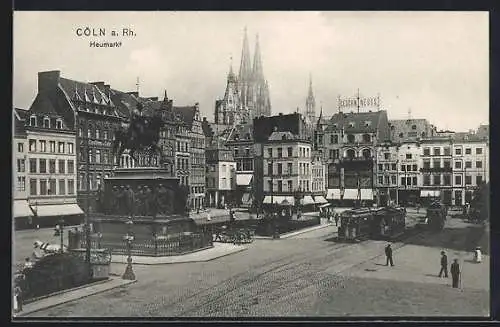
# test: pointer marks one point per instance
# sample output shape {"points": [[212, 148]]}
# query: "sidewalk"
{"points": [[72, 295], [298, 232], [219, 250]]}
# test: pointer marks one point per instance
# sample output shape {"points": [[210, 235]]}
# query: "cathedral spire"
{"points": [[245, 68], [310, 94], [258, 72]]}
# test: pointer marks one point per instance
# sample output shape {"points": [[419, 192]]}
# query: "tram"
{"points": [[366, 223]]}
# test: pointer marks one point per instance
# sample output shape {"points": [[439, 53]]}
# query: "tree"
{"points": [[480, 201]]}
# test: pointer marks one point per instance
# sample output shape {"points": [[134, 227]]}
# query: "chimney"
{"points": [[48, 80]]}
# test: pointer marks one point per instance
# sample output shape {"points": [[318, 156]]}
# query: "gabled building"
{"points": [[22, 213], [410, 130], [348, 145], [221, 175]]}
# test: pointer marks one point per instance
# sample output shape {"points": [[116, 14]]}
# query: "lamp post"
{"points": [[129, 273]]}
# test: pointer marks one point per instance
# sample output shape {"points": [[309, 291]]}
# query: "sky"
{"points": [[432, 65]]}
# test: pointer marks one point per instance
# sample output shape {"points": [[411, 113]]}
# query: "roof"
{"points": [[186, 113], [20, 115], [409, 129], [242, 132], [282, 136], [355, 122], [43, 104], [469, 137]]}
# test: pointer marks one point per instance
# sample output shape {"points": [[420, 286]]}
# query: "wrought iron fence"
{"points": [[161, 245]]}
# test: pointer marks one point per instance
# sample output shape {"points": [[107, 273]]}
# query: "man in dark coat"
{"points": [[444, 265], [388, 254], [455, 273]]}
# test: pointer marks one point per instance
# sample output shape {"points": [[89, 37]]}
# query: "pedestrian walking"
{"points": [[444, 265], [388, 255], [336, 219], [455, 273]]}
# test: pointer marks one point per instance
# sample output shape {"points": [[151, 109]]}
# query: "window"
{"points": [[458, 151], [479, 150], [289, 185], [52, 146], [458, 180], [71, 149], [415, 168], [427, 152], [43, 166], [447, 151], [468, 151], [20, 147], [280, 152], [80, 132], [46, 122], [269, 168], [32, 145], [479, 164], [437, 151], [427, 180], [413, 127], [33, 166], [414, 180], [89, 132], [403, 181], [98, 156], [393, 180], [290, 168], [437, 179], [280, 186], [52, 187], [97, 133], [436, 163], [52, 166], [270, 186], [350, 153], [468, 164], [62, 167], [43, 146], [367, 138], [71, 167], [387, 156], [447, 164], [468, 180], [408, 167], [447, 180], [401, 135], [58, 124], [33, 188], [479, 179], [403, 168], [280, 169], [380, 180], [62, 187], [408, 156], [21, 183], [408, 181], [458, 164], [380, 167], [269, 152], [393, 167], [33, 123], [43, 187], [61, 147], [105, 135], [350, 138], [386, 180]]}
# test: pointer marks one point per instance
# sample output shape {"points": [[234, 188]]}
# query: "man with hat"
{"points": [[444, 265], [455, 273]]}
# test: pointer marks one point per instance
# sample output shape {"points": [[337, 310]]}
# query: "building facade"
{"points": [[52, 174], [287, 169], [318, 178], [22, 213], [410, 130], [436, 169], [387, 171], [470, 165], [221, 175]]}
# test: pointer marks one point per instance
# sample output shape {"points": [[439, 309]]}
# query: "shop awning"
{"points": [[366, 194], [280, 200], [243, 179], [22, 209], [57, 210], [320, 199], [350, 194], [429, 193], [307, 200], [333, 194]]}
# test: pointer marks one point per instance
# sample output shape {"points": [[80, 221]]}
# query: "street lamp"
{"points": [[129, 273]]}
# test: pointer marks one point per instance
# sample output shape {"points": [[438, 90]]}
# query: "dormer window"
{"points": [[351, 124], [59, 124], [283, 137], [33, 121], [414, 127], [367, 123], [334, 125], [96, 110], [46, 122]]}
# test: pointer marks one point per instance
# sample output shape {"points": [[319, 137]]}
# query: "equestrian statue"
{"points": [[141, 135]]}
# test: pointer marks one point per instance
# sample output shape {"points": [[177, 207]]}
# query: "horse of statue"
{"points": [[142, 134]]}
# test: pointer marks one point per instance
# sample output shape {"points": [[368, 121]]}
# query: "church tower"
{"points": [[228, 111], [310, 103], [261, 105]]}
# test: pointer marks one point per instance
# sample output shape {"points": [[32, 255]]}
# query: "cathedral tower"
{"points": [[310, 103]]}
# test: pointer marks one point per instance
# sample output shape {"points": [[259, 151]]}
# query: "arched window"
{"points": [[97, 133], [59, 124], [33, 120], [367, 138], [367, 153], [350, 153], [89, 132], [401, 135], [350, 138], [46, 122]]}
